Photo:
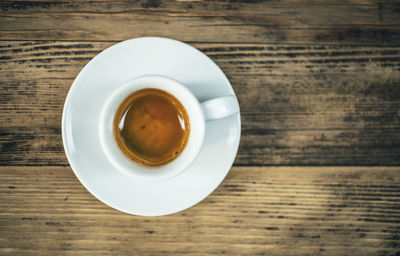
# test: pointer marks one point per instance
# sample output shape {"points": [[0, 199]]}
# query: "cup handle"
{"points": [[220, 107]]}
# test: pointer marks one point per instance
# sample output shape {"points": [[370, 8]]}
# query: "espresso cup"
{"points": [[197, 112]]}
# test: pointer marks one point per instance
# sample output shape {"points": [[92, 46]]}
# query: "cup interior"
{"points": [[196, 119]]}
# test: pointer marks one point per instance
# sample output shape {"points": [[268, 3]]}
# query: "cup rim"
{"points": [[151, 173]]}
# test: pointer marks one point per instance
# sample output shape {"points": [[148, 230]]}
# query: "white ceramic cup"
{"points": [[198, 114]]}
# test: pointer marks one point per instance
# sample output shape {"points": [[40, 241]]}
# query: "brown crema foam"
{"points": [[151, 127]]}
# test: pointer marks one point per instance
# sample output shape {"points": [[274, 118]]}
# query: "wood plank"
{"points": [[300, 105], [303, 105], [358, 22], [256, 211]]}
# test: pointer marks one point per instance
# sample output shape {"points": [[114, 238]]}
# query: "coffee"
{"points": [[151, 127]]}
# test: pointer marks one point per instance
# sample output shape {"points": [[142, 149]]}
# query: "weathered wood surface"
{"points": [[300, 105], [280, 21], [255, 211], [318, 84]]}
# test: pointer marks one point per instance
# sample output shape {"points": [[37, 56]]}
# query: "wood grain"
{"points": [[360, 22], [318, 83], [256, 211], [300, 105]]}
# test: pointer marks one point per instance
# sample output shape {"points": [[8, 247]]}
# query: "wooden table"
{"points": [[317, 171]]}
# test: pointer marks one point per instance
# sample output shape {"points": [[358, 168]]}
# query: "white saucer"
{"points": [[110, 68]]}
